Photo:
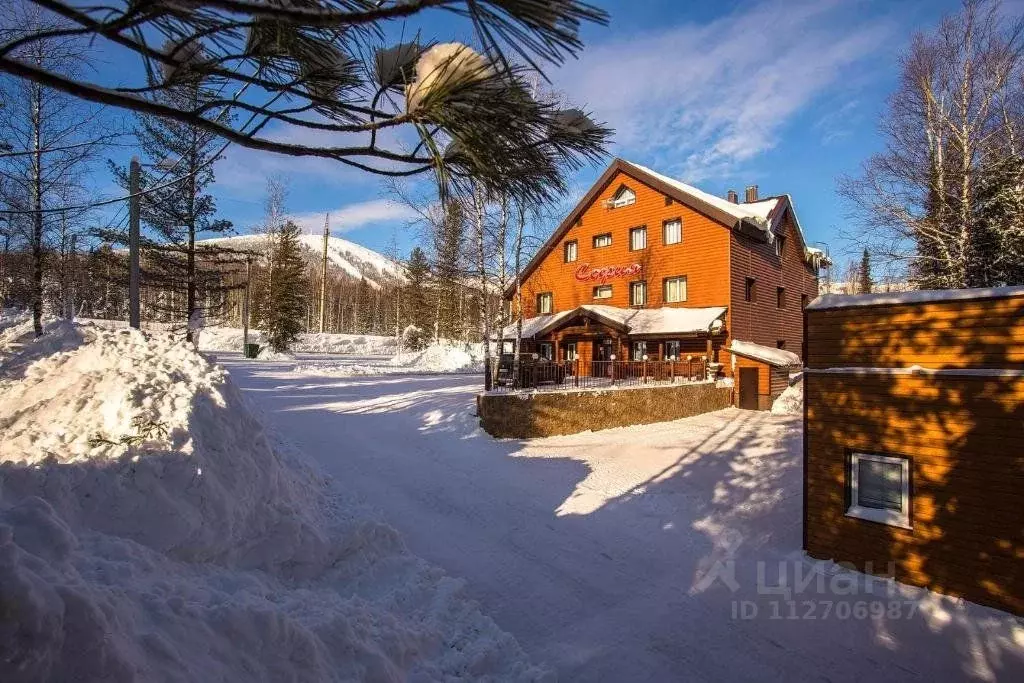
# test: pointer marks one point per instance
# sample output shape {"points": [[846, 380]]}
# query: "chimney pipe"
{"points": [[733, 197], [751, 194]]}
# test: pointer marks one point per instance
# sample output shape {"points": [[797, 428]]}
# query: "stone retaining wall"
{"points": [[535, 414]]}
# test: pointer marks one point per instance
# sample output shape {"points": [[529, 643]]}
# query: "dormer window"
{"points": [[624, 197]]}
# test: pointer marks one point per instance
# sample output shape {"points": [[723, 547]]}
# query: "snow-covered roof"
{"points": [[757, 212], [920, 296], [643, 321], [765, 354]]}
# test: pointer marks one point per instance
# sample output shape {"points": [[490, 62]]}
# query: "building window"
{"points": [[624, 197], [750, 291], [672, 350], [570, 351], [545, 303], [880, 489], [803, 301], [572, 251], [603, 240], [639, 350], [672, 231], [638, 238], [638, 293], [603, 292], [780, 297], [675, 289], [781, 344], [780, 245], [546, 350]]}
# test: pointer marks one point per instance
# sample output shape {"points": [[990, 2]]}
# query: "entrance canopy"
{"points": [[629, 321]]}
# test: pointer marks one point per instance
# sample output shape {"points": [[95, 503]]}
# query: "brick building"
{"points": [[648, 266]]}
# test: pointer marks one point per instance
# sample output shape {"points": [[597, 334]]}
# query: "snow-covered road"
{"points": [[630, 554]]}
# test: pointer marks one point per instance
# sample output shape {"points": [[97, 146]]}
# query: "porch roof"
{"points": [[631, 321], [779, 358]]}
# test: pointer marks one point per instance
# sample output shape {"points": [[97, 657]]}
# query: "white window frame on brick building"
{"points": [[871, 510]]}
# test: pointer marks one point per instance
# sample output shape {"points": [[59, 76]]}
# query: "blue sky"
{"points": [[782, 94]]}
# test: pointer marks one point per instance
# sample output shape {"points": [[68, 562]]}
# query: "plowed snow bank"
{"points": [[149, 531], [443, 357]]}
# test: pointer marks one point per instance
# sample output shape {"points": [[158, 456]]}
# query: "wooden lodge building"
{"points": [[648, 266]]}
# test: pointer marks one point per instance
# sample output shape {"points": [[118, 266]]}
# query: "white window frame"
{"points": [[550, 298], [575, 248], [546, 346], [599, 288], [624, 197], [678, 349], [639, 349], [633, 286], [664, 231], [603, 235], [685, 292], [570, 351], [895, 518], [633, 232]]}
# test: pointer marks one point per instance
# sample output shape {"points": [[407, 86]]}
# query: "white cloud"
{"points": [[353, 216], [701, 99]]}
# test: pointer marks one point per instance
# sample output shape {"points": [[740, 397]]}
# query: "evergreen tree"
{"points": [[448, 270], [1001, 215], [865, 282], [415, 297], [286, 307], [364, 323]]}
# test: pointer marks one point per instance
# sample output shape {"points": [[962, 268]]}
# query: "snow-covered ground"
{"points": [[438, 358], [630, 554], [150, 530], [216, 338]]}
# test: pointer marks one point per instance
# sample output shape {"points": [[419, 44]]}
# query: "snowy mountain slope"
{"points": [[151, 530], [353, 259]]}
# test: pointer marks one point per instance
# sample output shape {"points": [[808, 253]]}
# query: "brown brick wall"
{"points": [[761, 321], [547, 414], [962, 434]]}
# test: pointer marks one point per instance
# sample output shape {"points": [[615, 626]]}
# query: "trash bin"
{"points": [[252, 350]]}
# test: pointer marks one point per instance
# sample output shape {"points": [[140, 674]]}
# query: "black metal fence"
{"points": [[542, 375]]}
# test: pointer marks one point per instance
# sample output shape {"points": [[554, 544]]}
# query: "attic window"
{"points": [[624, 197]]}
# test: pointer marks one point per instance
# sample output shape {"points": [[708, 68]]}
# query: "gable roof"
{"points": [[757, 218], [632, 321]]}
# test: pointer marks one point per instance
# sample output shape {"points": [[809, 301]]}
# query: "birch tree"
{"points": [[951, 128]]}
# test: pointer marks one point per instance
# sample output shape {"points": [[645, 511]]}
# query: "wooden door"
{"points": [[748, 388]]}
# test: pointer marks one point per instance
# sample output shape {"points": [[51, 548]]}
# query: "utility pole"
{"points": [[245, 305], [134, 171], [323, 274], [72, 281]]}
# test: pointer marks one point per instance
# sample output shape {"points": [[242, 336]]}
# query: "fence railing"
{"points": [[541, 375]]}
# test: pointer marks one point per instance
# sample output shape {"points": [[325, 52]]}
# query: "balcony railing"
{"points": [[541, 375]]}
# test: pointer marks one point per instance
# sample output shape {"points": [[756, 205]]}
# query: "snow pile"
{"points": [[790, 401], [439, 358], [267, 353], [149, 531], [230, 339]]}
